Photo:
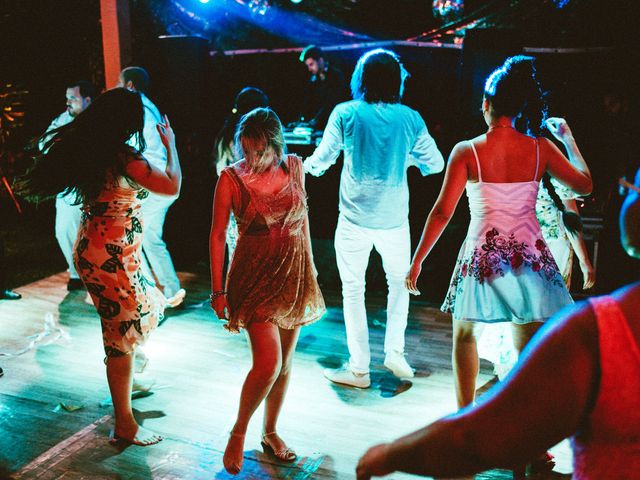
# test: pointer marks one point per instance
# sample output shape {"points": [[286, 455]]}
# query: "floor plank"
{"points": [[199, 368]]}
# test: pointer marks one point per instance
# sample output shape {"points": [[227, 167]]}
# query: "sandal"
{"points": [[285, 454]]}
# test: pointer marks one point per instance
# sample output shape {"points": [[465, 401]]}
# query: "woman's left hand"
{"points": [[373, 463], [412, 278]]}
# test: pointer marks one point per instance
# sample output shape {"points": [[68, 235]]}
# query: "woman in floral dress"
{"points": [[90, 158], [271, 288], [505, 271]]}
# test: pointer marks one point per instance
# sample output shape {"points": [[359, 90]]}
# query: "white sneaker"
{"points": [[396, 362], [345, 376]]}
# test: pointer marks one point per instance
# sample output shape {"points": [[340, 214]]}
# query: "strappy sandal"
{"points": [[285, 454], [233, 468]]}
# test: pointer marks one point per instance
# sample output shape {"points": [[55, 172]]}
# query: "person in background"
{"points": [[381, 139], [592, 395], [561, 226], [155, 207], [79, 95], [271, 287], [91, 159], [224, 151], [327, 87]]}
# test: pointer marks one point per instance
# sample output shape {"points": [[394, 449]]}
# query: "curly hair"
{"points": [[514, 91]]}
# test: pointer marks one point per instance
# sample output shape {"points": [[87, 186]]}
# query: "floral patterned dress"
{"points": [[553, 229], [108, 259], [505, 271], [272, 277]]}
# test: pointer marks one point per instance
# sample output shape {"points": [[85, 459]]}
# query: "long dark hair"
{"points": [[80, 157], [378, 77], [513, 90]]}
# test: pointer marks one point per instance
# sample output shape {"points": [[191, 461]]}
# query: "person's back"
{"points": [[380, 141], [608, 446]]}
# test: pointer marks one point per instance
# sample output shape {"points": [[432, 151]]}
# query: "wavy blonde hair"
{"points": [[260, 125]]}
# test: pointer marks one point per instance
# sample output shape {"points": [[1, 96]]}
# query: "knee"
{"points": [[268, 370], [464, 336], [353, 290]]}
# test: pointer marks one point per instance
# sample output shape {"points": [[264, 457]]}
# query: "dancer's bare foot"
{"points": [[177, 299], [135, 436], [233, 453]]}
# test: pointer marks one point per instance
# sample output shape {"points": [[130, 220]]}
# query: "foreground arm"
{"points": [[220, 219], [164, 182], [455, 179], [329, 149], [630, 221], [518, 420], [578, 245]]}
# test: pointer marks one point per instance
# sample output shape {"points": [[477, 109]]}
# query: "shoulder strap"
{"points": [[475, 154], [535, 176], [243, 194], [297, 171]]}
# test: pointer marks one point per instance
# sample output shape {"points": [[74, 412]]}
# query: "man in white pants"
{"points": [[154, 208], [380, 138], [79, 96]]}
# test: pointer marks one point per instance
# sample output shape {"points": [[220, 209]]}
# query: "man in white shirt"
{"points": [[154, 208], [79, 96], [380, 138]]}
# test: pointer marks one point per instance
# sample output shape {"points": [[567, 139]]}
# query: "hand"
{"points": [[373, 463], [559, 128], [219, 305], [166, 133], [412, 278], [588, 275]]}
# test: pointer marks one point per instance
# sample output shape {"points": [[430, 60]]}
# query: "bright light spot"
{"points": [[204, 1], [296, 1]]}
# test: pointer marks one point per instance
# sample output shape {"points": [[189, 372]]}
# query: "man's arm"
{"points": [[62, 119], [425, 154], [327, 152]]}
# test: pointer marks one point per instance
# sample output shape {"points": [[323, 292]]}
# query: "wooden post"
{"points": [[116, 38]]}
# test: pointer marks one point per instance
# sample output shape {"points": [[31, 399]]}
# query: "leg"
{"points": [[466, 363], [522, 333], [275, 398], [394, 247], [67, 225], [120, 376], [154, 211], [264, 339], [353, 247]]}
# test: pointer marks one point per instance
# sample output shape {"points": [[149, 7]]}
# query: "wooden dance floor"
{"points": [[55, 414]]}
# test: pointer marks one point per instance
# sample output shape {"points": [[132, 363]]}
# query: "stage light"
{"points": [[204, 1], [296, 1], [447, 10]]}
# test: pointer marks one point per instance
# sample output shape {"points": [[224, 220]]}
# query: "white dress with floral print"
{"points": [[505, 271]]}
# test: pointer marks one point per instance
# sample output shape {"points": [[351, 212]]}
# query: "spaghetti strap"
{"points": [[475, 154], [535, 176], [296, 169]]}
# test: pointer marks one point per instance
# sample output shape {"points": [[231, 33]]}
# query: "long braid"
{"points": [[571, 220]]}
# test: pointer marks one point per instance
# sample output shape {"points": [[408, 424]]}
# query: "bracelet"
{"points": [[216, 294]]}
